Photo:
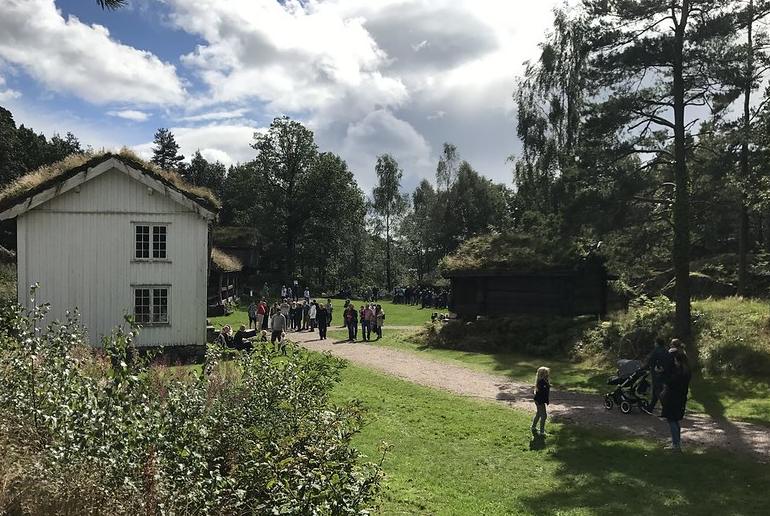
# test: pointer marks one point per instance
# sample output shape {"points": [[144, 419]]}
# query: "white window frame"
{"points": [[151, 306], [151, 244]]}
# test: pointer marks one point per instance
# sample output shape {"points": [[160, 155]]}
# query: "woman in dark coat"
{"points": [[322, 321], [675, 396]]}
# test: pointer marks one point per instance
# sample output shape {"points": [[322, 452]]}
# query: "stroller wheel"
{"points": [[608, 403], [625, 407]]}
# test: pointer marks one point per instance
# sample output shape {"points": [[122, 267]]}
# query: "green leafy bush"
{"points": [[535, 335], [629, 334], [84, 433]]}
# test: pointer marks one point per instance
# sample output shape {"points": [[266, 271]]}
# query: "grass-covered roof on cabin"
{"points": [[235, 236], [224, 262], [49, 175], [511, 252]]}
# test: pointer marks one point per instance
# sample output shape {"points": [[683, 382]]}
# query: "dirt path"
{"points": [[583, 409]]}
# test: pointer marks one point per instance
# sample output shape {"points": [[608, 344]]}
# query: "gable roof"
{"points": [[42, 185]]}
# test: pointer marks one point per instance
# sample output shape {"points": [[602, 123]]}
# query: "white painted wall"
{"points": [[80, 248]]}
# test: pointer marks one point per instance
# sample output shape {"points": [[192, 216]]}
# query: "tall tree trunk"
{"points": [[681, 250], [387, 252], [743, 231]]}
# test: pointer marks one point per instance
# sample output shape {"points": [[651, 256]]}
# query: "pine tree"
{"points": [[165, 154], [656, 60]]}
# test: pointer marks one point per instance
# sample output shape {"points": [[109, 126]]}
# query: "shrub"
{"points": [[536, 335], [628, 334], [734, 336], [106, 433]]}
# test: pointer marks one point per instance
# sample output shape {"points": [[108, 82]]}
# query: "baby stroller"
{"points": [[631, 388]]}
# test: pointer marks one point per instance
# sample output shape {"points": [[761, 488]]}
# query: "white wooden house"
{"points": [[114, 236]]}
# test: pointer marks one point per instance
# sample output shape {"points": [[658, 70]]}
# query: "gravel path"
{"points": [[580, 408]]}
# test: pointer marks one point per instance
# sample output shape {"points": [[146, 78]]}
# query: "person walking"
{"points": [[542, 399], [379, 317], [262, 314], [329, 310], [307, 295], [322, 318], [284, 292], [659, 363], [674, 396], [252, 310], [364, 322], [278, 326], [350, 322], [285, 310], [305, 315], [312, 314]]}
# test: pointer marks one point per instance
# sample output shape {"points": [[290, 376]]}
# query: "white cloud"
{"points": [[226, 143], [215, 115], [404, 67], [70, 56], [382, 132], [7, 94], [296, 57], [130, 114]]}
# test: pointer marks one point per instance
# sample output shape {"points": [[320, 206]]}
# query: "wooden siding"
{"points": [[566, 293], [80, 248]]}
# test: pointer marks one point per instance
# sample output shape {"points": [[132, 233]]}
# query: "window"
{"points": [[159, 242], [151, 305], [148, 248]]}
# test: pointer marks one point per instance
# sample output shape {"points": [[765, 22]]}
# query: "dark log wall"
{"points": [[565, 293]]}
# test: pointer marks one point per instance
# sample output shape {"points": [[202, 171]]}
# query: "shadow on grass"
{"points": [[610, 475]]}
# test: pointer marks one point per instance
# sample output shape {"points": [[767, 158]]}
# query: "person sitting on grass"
{"points": [[674, 397], [542, 398], [239, 341], [225, 338]]}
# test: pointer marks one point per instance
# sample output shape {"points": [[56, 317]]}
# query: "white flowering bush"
{"points": [[84, 432]]}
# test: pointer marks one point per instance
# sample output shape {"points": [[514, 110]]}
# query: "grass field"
{"points": [[451, 455], [734, 397], [395, 315]]}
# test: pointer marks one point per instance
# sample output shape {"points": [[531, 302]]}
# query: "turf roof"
{"points": [[225, 262], [49, 175]]}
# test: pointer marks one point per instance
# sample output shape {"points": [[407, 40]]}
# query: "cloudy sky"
{"points": [[368, 76]]}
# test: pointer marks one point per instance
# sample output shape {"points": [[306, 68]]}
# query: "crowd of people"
{"points": [[292, 314], [371, 317], [425, 297]]}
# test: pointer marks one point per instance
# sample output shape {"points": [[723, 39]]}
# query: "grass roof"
{"points": [[235, 236], [518, 252], [49, 175], [225, 262]]}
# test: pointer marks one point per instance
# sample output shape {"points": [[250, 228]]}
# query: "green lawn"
{"points": [[732, 397], [395, 315], [451, 455]]}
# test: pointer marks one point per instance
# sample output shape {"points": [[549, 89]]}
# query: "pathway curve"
{"points": [[580, 408]]}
